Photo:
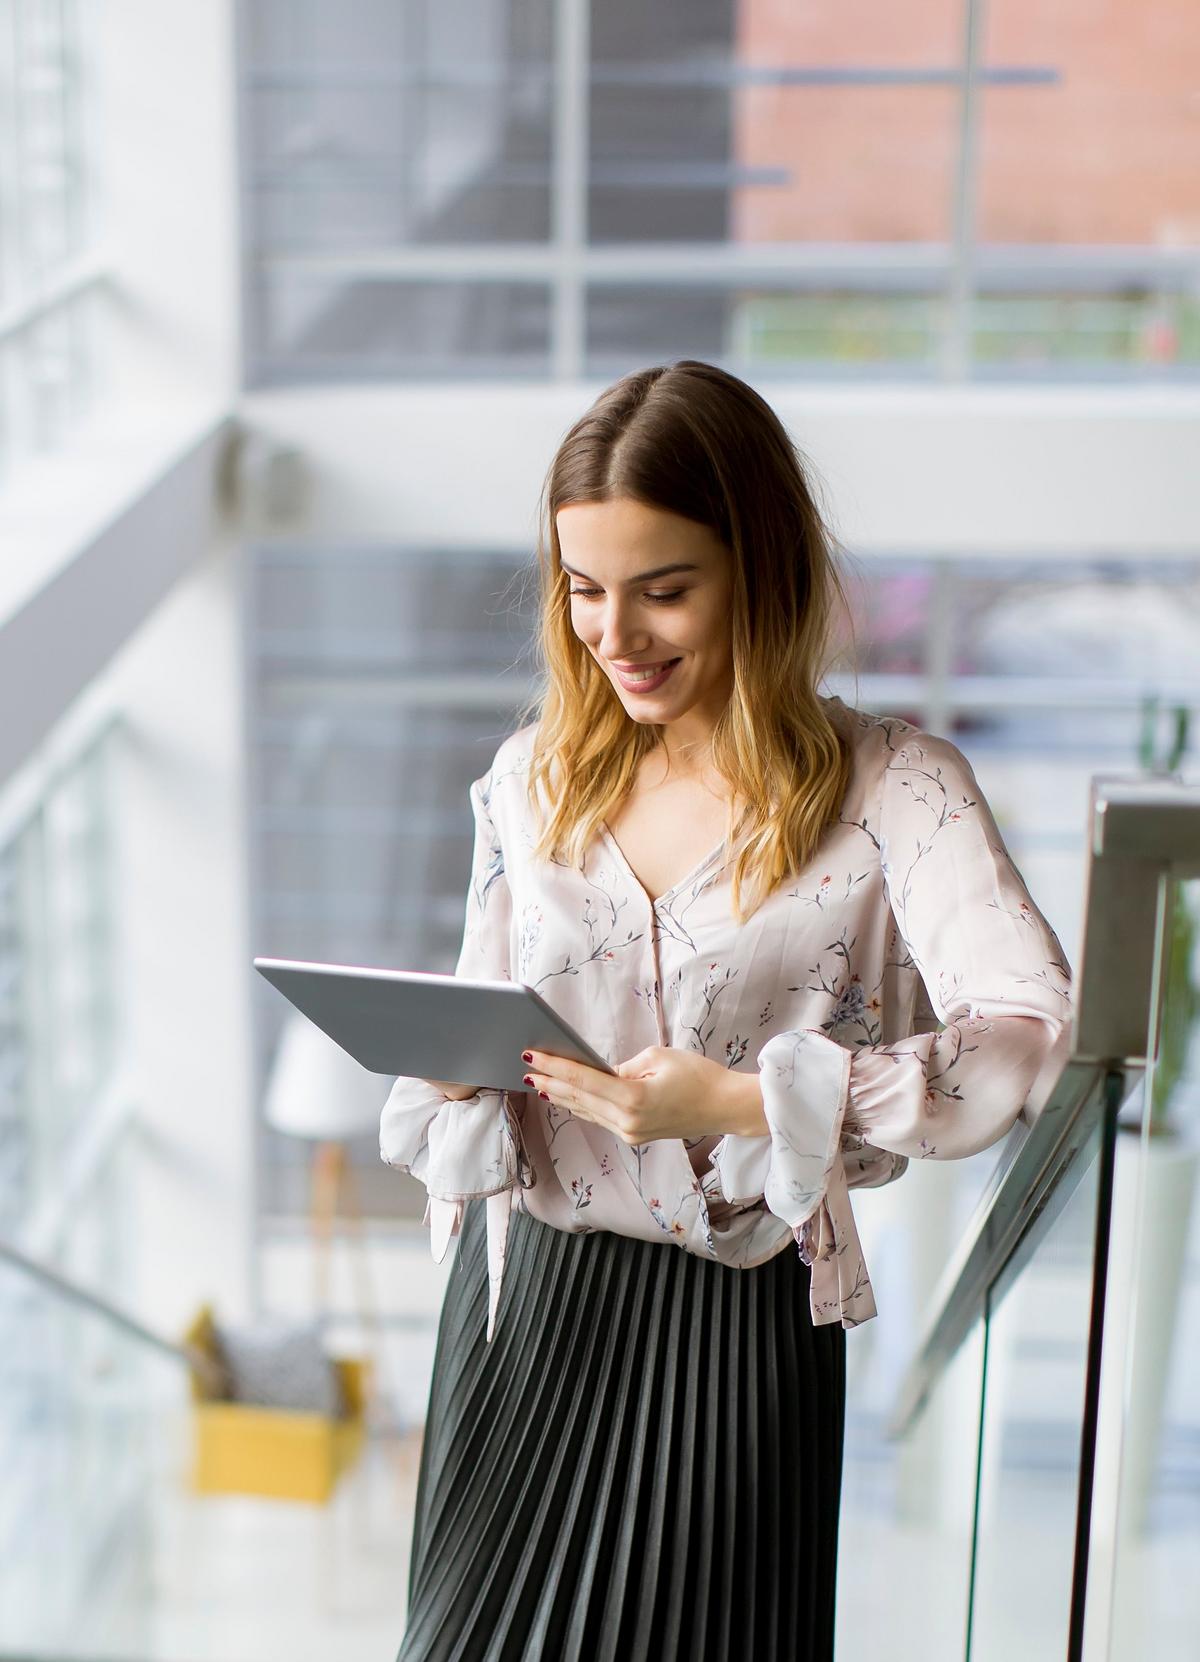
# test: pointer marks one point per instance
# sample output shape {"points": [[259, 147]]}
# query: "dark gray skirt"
{"points": [[644, 1463]]}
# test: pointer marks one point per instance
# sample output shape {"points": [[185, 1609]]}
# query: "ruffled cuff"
{"points": [[798, 1170], [458, 1150], [741, 1164]]}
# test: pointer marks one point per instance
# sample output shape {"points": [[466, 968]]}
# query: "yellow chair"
{"points": [[242, 1448]]}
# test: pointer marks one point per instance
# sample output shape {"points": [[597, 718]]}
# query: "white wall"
{"points": [[165, 159], [179, 801], [977, 470]]}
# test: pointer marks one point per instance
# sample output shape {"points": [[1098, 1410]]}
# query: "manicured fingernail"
{"points": [[529, 1079], [545, 1095], [527, 1056]]}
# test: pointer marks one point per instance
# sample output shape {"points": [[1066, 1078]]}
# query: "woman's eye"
{"points": [[590, 594]]}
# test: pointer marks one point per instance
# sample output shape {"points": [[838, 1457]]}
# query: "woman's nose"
{"points": [[617, 638], [620, 648]]}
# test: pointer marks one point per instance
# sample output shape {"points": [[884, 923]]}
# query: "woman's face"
{"points": [[650, 588]]}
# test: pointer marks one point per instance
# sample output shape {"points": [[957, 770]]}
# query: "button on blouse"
{"points": [[898, 998]]}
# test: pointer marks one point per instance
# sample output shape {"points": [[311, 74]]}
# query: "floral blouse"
{"points": [[899, 997]]}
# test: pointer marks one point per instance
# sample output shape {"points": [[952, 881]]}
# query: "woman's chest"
{"points": [[663, 834]]}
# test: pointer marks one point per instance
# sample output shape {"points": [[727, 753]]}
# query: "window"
{"points": [[557, 188], [51, 280], [382, 679]]}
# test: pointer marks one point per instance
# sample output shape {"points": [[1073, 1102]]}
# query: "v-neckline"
{"points": [[654, 902]]}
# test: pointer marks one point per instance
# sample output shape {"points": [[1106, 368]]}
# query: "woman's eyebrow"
{"points": [[642, 576]]}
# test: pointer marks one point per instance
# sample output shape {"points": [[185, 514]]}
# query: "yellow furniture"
{"points": [[240, 1448]]}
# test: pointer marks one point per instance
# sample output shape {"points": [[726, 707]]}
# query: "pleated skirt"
{"points": [[644, 1463]]}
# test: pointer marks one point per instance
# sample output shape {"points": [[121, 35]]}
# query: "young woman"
{"points": [[794, 929]]}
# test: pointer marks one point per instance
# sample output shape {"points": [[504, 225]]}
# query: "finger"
{"points": [[567, 1075], [562, 1068]]}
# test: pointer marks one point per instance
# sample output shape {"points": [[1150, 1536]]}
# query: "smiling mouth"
{"points": [[645, 675]]}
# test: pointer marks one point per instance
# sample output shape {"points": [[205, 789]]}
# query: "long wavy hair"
{"points": [[693, 439]]}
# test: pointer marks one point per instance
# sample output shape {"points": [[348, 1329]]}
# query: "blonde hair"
{"points": [[693, 439]]}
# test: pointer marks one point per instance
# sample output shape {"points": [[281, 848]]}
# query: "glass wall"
{"points": [[69, 1389], [83, 1407], [59, 1018], [550, 187], [382, 681], [49, 292], [1087, 231], [390, 146]]}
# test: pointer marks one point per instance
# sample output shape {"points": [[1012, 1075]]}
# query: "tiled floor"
{"points": [[243, 1580], [238, 1579]]}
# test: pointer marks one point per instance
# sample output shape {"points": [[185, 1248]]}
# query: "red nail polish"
{"points": [[528, 1079], [545, 1095], [527, 1056]]}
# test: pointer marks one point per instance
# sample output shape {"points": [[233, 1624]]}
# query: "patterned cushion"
{"points": [[281, 1365]]}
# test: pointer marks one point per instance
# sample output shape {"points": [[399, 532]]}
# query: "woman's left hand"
{"points": [[660, 1092]]}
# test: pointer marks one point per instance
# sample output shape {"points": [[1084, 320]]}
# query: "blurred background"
{"points": [[296, 302]]}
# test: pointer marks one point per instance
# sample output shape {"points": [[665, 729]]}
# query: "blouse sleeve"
{"points": [[996, 977], [463, 1149]]}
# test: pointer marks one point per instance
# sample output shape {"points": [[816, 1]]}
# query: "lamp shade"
{"points": [[316, 1090]]}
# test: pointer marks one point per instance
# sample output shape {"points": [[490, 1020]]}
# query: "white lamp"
{"points": [[317, 1089]]}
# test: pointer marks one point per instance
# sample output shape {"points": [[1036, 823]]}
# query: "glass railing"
{"points": [[1146, 1522], [92, 1415], [1037, 1434], [1072, 1308]]}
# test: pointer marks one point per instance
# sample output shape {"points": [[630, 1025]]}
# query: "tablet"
{"points": [[429, 1026]]}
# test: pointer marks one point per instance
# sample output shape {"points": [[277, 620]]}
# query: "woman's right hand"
{"points": [[456, 1093]]}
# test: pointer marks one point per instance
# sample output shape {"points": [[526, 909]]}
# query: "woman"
{"points": [[760, 905]]}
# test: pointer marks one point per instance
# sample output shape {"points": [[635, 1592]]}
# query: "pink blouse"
{"points": [[898, 997]]}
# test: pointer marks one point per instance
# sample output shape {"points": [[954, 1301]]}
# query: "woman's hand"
{"points": [[660, 1092]]}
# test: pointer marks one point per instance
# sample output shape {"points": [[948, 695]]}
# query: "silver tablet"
{"points": [[429, 1026]]}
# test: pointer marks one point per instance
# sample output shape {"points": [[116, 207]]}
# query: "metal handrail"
{"points": [[64, 1287], [1144, 832], [93, 271]]}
